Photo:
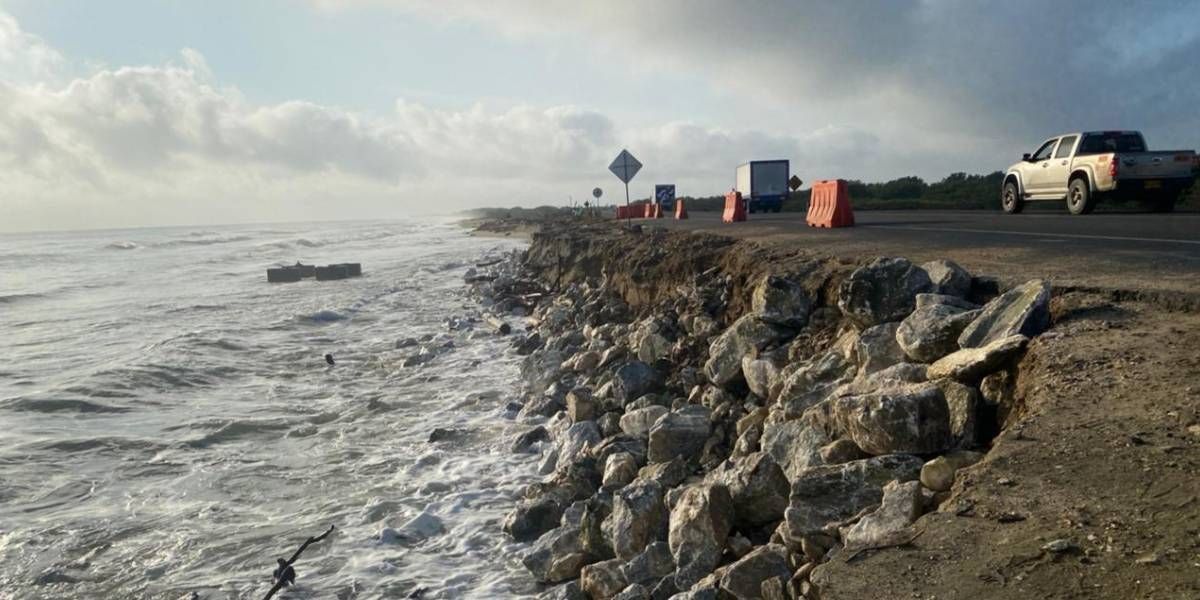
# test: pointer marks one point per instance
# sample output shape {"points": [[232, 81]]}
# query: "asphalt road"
{"points": [[1117, 251]]}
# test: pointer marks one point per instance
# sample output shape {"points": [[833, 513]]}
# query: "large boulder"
{"points": [[680, 433], [620, 469], [931, 332], [825, 495], [811, 383], [965, 404], [649, 567], [581, 406], [577, 442], [882, 291], [924, 300], [700, 524], [668, 474], [901, 505], [747, 335], [969, 365], [758, 487], [633, 380], [781, 301], [556, 556], [638, 422], [877, 349], [1023, 310], [794, 445], [948, 278], [904, 419], [638, 518], [743, 579], [603, 580], [759, 374], [533, 517]]}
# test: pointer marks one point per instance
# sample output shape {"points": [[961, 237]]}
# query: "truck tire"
{"points": [[1010, 198], [1080, 200]]}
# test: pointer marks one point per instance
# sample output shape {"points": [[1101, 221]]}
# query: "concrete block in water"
{"points": [[352, 269], [306, 270], [331, 272], [283, 275]]}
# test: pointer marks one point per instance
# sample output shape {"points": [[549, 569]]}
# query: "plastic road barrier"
{"points": [[680, 211], [735, 208], [829, 205]]}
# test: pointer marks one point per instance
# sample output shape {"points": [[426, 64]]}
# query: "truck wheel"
{"points": [[1080, 200], [1010, 198]]}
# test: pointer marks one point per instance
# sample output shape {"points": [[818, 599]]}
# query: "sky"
{"points": [[129, 113]]}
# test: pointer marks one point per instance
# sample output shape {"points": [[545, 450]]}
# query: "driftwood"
{"points": [[312, 540]]}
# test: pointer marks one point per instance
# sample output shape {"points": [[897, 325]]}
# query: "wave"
{"points": [[125, 245], [325, 316], [203, 241], [55, 405], [229, 431], [14, 298]]}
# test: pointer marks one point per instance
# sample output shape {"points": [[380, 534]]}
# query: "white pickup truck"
{"points": [[1083, 167]]}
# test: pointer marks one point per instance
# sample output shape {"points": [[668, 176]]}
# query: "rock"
{"points": [[566, 591], [964, 403], [774, 589], [1023, 310], [781, 301], [878, 349], [759, 373], [633, 592], [907, 419], [832, 493], [526, 441], [679, 433], [586, 362], [924, 300], [556, 556], [580, 405], [619, 443], [638, 518], [619, 470], [639, 421], [649, 567], [743, 579], [592, 535], [794, 445], [738, 545], [699, 524], [948, 278], [633, 380], [752, 419], [901, 505], [938, 474], [609, 423], [747, 335], [810, 384], [931, 332], [841, 451], [668, 474], [541, 406], [758, 488], [603, 580], [652, 347], [533, 517], [969, 365], [882, 291], [577, 442]]}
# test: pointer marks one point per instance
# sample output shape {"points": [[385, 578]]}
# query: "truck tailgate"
{"points": [[1157, 165]]}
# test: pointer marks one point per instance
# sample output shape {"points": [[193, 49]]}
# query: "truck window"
{"points": [[1102, 143], [1065, 147], [1043, 153]]}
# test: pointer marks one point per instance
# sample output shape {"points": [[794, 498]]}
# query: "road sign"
{"points": [[625, 166], [795, 183], [664, 194], [597, 192]]}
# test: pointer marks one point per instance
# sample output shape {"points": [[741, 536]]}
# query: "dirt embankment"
{"points": [[1091, 489]]}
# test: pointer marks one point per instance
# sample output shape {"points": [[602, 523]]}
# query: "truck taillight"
{"points": [[1112, 166]]}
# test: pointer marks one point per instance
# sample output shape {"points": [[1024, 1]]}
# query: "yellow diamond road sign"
{"points": [[625, 166]]}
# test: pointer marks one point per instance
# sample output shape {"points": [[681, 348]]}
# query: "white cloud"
{"points": [[25, 57]]}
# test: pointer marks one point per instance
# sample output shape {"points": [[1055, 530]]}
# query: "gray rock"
{"points": [[794, 445], [969, 365], [841, 451], [533, 516], [924, 300], [747, 335], [699, 524], [1023, 310], [759, 373], [932, 332], [620, 469], [616, 444], [948, 278], [903, 419], [825, 495], [808, 385], [878, 349], [964, 403], [638, 518], [634, 379], [679, 433], [901, 505], [603, 580], [540, 406], [609, 423], [580, 405], [701, 594], [566, 591], [938, 474], [668, 474], [781, 301], [556, 556], [639, 421], [758, 488], [649, 567], [577, 442], [526, 441], [882, 291], [635, 591], [652, 347], [743, 579]]}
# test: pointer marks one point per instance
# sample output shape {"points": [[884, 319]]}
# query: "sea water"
{"points": [[169, 426]]}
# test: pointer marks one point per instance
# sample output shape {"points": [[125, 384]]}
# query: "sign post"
{"points": [[625, 166]]}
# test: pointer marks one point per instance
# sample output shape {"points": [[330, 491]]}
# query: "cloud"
{"points": [[25, 57]]}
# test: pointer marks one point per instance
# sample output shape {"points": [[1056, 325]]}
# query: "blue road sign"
{"points": [[664, 194]]}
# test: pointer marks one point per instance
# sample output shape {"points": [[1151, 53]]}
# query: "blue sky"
{"points": [[124, 112]]}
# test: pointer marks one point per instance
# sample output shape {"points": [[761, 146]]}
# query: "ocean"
{"points": [[169, 426]]}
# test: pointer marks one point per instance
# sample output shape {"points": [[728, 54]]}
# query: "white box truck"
{"points": [[763, 184]]}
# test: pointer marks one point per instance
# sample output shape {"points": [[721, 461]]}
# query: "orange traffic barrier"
{"points": [[735, 209], [658, 211], [680, 211], [829, 205]]}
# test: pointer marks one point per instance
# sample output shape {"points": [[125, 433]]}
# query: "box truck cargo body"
{"points": [[763, 184]]}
